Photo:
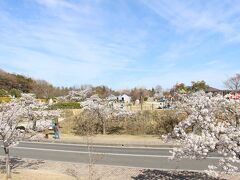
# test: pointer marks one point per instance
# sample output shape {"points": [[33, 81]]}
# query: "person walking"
{"points": [[56, 131]]}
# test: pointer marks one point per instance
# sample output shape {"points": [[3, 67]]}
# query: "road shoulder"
{"points": [[113, 140]]}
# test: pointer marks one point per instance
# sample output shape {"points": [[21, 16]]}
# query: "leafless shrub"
{"points": [[144, 122], [88, 128]]}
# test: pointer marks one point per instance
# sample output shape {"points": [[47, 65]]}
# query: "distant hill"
{"points": [[11, 82], [15, 81]]}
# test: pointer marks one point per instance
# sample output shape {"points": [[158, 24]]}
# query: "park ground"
{"points": [[29, 169]]}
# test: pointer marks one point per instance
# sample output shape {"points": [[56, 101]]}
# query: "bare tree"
{"points": [[233, 83], [89, 132], [85, 126]]}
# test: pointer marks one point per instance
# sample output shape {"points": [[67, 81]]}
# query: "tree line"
{"points": [[15, 84]]}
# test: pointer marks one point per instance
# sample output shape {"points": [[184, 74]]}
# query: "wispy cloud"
{"points": [[197, 15], [67, 46], [56, 3], [119, 42]]}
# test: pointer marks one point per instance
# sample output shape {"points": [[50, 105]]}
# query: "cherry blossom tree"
{"points": [[158, 92], [77, 95], [104, 109], [10, 114], [22, 112], [212, 125], [38, 113]]}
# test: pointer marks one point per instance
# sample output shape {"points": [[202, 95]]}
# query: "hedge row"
{"points": [[66, 105]]}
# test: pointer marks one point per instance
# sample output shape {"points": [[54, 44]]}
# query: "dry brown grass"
{"points": [[28, 174], [141, 123], [113, 139]]}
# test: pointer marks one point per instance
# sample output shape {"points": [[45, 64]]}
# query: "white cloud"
{"points": [[75, 42], [214, 16], [56, 3], [78, 52]]}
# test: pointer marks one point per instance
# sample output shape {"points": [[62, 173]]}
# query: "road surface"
{"points": [[156, 158]]}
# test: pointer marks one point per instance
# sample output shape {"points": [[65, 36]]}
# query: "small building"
{"points": [[124, 98], [162, 103]]}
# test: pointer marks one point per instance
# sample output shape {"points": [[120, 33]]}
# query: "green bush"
{"points": [[15, 92], [3, 93], [66, 105]]}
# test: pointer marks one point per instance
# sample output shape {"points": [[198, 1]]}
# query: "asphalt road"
{"points": [[157, 158]]}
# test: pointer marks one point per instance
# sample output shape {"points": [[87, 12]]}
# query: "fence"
{"points": [[144, 107]]}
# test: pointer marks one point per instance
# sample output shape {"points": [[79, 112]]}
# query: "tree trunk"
{"points": [[104, 128], [141, 101], [34, 125], [7, 159]]}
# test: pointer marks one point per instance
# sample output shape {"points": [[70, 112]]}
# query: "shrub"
{"points": [[145, 122], [168, 120], [15, 92], [66, 105], [3, 93], [86, 124]]}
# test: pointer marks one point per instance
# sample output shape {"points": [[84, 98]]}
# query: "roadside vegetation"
{"points": [[158, 122]]}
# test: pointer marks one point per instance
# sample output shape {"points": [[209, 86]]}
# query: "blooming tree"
{"points": [[104, 109], [77, 95], [20, 113], [38, 113], [212, 125], [158, 92]]}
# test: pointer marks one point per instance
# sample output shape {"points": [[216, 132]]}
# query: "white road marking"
{"points": [[107, 146], [100, 153]]}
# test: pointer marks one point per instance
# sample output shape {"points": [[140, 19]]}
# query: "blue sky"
{"points": [[121, 43]]}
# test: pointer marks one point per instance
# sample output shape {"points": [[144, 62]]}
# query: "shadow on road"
{"points": [[172, 175], [21, 163]]}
